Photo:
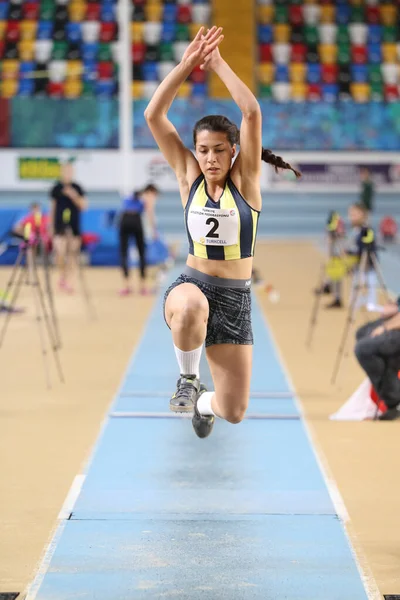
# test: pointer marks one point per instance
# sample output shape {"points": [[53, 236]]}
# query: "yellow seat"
{"points": [[266, 73], [328, 13], [26, 49], [328, 53], [73, 87], [360, 92], [357, 2], [137, 32], [8, 88], [389, 53], [153, 12], [27, 30], [282, 33], [3, 25], [74, 68], [299, 91], [297, 72], [137, 89], [10, 68], [185, 90], [77, 11], [266, 13], [388, 14]]}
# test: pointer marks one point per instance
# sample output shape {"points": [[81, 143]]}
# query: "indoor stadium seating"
{"points": [[346, 49]]}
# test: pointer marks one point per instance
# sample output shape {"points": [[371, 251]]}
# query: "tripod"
{"points": [[368, 259], [25, 267]]}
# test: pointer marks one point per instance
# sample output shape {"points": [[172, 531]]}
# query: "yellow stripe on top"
{"points": [[228, 201], [255, 223], [200, 199]]}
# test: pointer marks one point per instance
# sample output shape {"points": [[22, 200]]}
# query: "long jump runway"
{"points": [[243, 515]]}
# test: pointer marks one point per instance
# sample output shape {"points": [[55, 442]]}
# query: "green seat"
{"points": [[344, 54], [265, 91], [166, 52], [377, 91], [374, 74], [311, 35], [104, 51], [357, 14], [281, 14], [47, 10], [297, 2], [88, 88], [389, 33], [59, 50], [183, 32], [343, 36]]}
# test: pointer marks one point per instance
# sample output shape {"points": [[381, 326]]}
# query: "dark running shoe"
{"points": [[202, 424], [335, 304], [187, 388], [391, 414], [325, 289]]}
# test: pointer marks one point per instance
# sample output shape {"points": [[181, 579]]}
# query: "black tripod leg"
{"points": [[13, 276], [379, 275], [315, 309], [49, 290], [50, 331], [14, 298]]}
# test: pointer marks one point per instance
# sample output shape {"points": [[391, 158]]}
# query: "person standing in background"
{"points": [[367, 195], [68, 200], [131, 225]]}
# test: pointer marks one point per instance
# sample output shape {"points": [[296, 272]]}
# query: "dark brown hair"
{"points": [[221, 124], [150, 188]]}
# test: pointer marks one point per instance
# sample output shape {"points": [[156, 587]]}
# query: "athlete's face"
{"points": [[214, 154]]}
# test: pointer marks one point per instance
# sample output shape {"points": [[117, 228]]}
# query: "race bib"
{"points": [[214, 226]]}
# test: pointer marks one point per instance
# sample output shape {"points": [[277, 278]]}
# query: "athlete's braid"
{"points": [[277, 161]]}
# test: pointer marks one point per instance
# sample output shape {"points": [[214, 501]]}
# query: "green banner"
{"points": [[39, 168]]}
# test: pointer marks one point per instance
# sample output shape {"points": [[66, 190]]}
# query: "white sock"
{"points": [[204, 404], [189, 362]]}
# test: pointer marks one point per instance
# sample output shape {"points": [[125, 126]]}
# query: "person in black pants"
{"points": [[378, 352], [131, 225]]}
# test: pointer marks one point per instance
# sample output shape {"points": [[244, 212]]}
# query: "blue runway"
{"points": [[242, 515]]}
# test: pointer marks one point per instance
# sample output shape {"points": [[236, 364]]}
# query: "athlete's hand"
{"points": [[68, 190], [202, 46], [212, 60]]}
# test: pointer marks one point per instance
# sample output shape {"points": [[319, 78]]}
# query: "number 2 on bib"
{"points": [[213, 231]]}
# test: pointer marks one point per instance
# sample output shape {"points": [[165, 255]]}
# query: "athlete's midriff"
{"points": [[226, 269]]}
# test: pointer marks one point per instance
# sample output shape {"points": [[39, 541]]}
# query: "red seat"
{"points": [[391, 92], [299, 52], [296, 15], [12, 31], [139, 2], [138, 52], [314, 91], [329, 73], [184, 14], [55, 89], [105, 69], [108, 32], [265, 53], [2, 45], [373, 14], [30, 11], [359, 54], [198, 76], [388, 227], [93, 11]]}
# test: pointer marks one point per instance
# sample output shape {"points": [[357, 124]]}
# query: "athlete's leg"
{"points": [[230, 366], [74, 243], [186, 313], [60, 250]]}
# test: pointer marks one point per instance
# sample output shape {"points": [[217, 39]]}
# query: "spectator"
{"points": [[367, 190]]}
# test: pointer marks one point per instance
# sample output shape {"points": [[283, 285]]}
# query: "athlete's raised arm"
{"points": [[178, 156]]}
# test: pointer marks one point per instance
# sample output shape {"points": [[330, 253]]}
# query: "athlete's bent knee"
{"points": [[190, 313]]}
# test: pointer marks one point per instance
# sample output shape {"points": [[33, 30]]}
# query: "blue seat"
{"points": [[374, 53], [107, 13], [25, 68], [150, 71], [374, 33], [330, 92], [73, 31], [105, 88], [170, 13], [90, 50], [265, 34], [199, 89], [313, 72], [89, 70], [282, 74], [168, 32], [343, 14], [26, 87], [44, 30], [359, 73], [3, 11]]}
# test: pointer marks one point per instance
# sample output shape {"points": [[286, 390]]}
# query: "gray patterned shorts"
{"points": [[229, 300]]}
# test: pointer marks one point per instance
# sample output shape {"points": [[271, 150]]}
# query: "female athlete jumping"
{"points": [[210, 302]]}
